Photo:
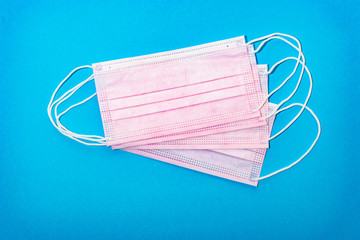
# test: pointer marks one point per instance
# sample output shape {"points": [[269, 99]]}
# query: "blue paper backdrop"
{"points": [[54, 188]]}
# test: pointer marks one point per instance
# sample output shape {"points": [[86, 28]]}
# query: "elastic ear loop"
{"points": [[92, 138], [99, 140], [69, 133], [52, 102], [65, 97], [74, 136], [301, 55], [68, 94], [306, 153], [304, 104]]}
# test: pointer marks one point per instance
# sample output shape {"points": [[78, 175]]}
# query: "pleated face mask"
{"points": [[198, 97], [171, 92]]}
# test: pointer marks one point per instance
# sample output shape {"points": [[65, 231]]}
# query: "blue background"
{"points": [[54, 188]]}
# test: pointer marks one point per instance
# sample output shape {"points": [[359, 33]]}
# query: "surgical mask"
{"points": [[160, 94], [109, 74]]}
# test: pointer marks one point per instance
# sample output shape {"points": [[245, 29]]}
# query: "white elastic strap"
{"points": [[65, 96], [77, 137], [304, 104], [306, 153], [52, 102], [61, 100], [60, 128], [295, 89], [57, 89], [73, 136], [301, 55], [93, 140]]}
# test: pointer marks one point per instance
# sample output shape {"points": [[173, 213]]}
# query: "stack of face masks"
{"points": [[204, 108]]}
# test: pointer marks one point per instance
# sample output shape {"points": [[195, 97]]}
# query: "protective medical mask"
{"points": [[176, 91], [181, 94]]}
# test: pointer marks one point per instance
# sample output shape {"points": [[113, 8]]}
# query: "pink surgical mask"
{"points": [[172, 92], [252, 137]]}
